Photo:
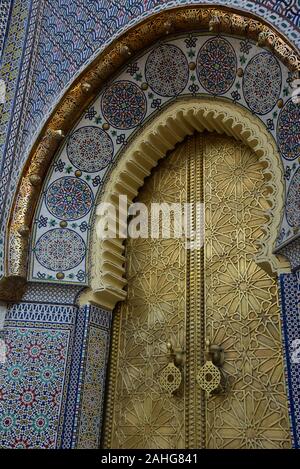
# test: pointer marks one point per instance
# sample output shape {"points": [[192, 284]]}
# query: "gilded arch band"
{"points": [[83, 92]]}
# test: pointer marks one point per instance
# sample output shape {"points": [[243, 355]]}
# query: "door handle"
{"points": [[209, 375], [171, 376]]}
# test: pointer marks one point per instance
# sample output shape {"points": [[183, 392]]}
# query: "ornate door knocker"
{"points": [[209, 376], [171, 376]]}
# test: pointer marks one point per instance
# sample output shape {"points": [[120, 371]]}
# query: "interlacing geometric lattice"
{"points": [[209, 377], [240, 310], [170, 378]]}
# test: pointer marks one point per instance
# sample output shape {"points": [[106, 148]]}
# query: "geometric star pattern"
{"points": [[242, 313], [144, 416]]}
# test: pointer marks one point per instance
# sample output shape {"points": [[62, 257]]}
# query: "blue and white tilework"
{"points": [[290, 301], [93, 387], [151, 81], [38, 340], [292, 252], [43, 293], [293, 201]]}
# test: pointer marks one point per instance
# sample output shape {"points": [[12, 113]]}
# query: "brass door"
{"points": [[187, 295]]}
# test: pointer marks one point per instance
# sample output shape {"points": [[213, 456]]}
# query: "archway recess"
{"points": [[161, 135], [84, 90]]}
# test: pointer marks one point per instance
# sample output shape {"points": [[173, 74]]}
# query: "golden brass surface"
{"points": [[241, 303], [209, 377], [139, 414], [195, 318], [218, 292]]}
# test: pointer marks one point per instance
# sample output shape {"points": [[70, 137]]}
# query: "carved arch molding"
{"points": [[190, 115]]}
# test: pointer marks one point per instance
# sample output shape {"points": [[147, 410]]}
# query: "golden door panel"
{"points": [[242, 310], [141, 416], [185, 296]]}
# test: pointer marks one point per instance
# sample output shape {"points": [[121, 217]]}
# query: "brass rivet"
{"points": [[59, 133], [280, 103], [167, 27], [35, 179], [24, 230], [78, 173], [214, 23], [105, 126], [63, 224], [192, 65], [86, 87], [144, 86], [125, 51], [240, 72], [60, 275]]}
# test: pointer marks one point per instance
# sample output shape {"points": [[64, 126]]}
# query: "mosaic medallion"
{"points": [[69, 198], [124, 105], [262, 83], [288, 131], [90, 149], [167, 70], [60, 249], [216, 66], [293, 201]]}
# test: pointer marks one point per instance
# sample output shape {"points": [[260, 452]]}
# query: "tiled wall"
{"points": [[53, 372], [5, 6], [183, 66], [52, 380]]}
